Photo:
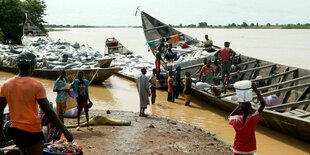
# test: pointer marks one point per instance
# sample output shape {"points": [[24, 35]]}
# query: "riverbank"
{"points": [[146, 135]]}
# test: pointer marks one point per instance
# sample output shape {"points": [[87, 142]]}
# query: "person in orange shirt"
{"points": [[170, 82], [23, 95], [206, 72]]}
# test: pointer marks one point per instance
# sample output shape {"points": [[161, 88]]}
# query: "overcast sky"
{"points": [[215, 12]]}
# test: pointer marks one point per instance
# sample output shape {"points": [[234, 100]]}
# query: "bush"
{"points": [[1, 36]]}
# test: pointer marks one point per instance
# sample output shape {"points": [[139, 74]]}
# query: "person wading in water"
{"points": [[23, 94]]}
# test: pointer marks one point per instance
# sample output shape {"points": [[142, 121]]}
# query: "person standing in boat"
{"points": [[153, 86], [207, 44], [170, 82], [61, 98], [187, 88], [177, 82], [159, 50], [244, 123], [225, 55], [170, 56], [23, 94], [80, 87], [144, 92]]}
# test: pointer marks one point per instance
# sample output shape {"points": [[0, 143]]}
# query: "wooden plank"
{"points": [[284, 89], [288, 105], [253, 69], [250, 70], [303, 96], [304, 115], [200, 64], [115, 47], [255, 72], [283, 83], [275, 85], [247, 63], [275, 76], [157, 27], [271, 73], [288, 93]]}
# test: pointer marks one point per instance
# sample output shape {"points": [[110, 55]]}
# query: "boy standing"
{"points": [[170, 82], [187, 88]]}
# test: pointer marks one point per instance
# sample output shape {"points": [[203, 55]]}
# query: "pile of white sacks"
{"points": [[131, 64], [194, 55], [53, 52]]}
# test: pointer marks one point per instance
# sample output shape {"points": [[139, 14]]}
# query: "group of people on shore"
{"points": [[23, 94], [147, 87], [243, 119]]}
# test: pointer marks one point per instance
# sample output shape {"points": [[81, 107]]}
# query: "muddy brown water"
{"points": [[120, 94]]}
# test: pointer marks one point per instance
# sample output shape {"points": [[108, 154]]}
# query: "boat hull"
{"points": [[279, 121], [96, 76]]}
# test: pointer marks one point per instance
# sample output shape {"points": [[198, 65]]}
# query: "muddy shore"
{"points": [[146, 135]]}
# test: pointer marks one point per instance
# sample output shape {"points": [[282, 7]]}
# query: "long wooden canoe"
{"points": [[155, 30], [96, 75], [290, 84]]}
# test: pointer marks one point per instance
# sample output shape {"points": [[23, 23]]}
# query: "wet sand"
{"points": [[151, 135]]}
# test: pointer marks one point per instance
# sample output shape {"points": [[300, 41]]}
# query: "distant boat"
{"points": [[31, 32], [114, 47]]}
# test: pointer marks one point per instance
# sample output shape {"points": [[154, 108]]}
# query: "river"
{"points": [[120, 94]]}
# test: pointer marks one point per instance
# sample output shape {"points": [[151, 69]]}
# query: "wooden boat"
{"points": [[155, 30], [122, 50], [112, 45], [290, 85], [104, 63], [96, 75], [32, 33]]}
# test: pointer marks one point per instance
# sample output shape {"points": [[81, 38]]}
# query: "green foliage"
{"points": [[248, 26], [35, 10], [12, 17], [202, 24], [1, 36]]}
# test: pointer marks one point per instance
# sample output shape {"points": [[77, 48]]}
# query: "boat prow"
{"points": [[32, 33]]}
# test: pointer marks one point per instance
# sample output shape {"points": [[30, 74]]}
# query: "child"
{"points": [[187, 88], [244, 125], [80, 86], [170, 82]]}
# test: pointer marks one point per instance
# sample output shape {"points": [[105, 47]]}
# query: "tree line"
{"points": [[12, 18], [246, 25]]}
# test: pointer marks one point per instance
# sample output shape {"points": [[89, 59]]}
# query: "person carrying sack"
{"points": [[80, 86]]}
